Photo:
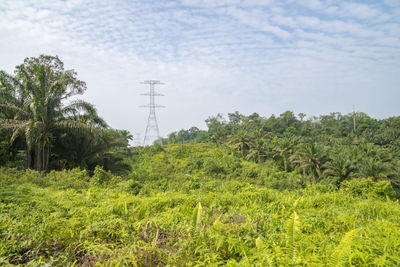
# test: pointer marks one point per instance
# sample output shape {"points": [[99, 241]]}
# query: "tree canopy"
{"points": [[328, 148], [39, 113]]}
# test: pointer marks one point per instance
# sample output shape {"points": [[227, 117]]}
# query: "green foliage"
{"points": [[344, 248], [228, 196], [154, 217], [325, 149], [262, 251], [101, 177], [36, 121], [196, 218], [368, 188], [293, 226], [134, 187]]}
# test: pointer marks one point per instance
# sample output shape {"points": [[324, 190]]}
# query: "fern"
{"points": [[292, 234], [196, 217], [339, 255], [166, 224], [261, 249], [141, 212]]}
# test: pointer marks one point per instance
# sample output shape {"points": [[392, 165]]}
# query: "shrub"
{"points": [[283, 180], [366, 187], [134, 187], [100, 176], [75, 178], [211, 167], [193, 181]]}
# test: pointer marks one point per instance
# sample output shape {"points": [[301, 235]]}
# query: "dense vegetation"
{"points": [[329, 148], [44, 126], [194, 205], [249, 191]]}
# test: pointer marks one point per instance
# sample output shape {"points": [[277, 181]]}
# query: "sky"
{"points": [[215, 56]]}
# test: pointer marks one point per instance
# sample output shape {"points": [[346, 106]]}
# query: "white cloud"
{"points": [[361, 11], [314, 4], [258, 20], [284, 20]]}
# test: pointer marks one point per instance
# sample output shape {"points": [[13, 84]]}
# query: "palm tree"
{"points": [[258, 149], [15, 113], [376, 168], [284, 148], [376, 162], [241, 139], [38, 106], [310, 158], [341, 164], [108, 148]]}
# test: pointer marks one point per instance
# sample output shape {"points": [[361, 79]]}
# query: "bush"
{"points": [[134, 187], [75, 178], [366, 187], [100, 176], [193, 181], [213, 167], [284, 180]]}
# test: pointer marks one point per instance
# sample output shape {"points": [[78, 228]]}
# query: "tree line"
{"points": [[44, 126], [329, 148]]}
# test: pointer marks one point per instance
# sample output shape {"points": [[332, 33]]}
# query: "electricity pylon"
{"points": [[152, 132]]}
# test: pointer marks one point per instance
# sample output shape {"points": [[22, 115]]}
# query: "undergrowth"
{"points": [[194, 205]]}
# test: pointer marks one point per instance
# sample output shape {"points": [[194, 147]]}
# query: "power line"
{"points": [[152, 132]]}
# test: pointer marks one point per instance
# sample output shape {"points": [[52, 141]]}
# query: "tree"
{"points": [[341, 164], [235, 118], [108, 148], [284, 148], [258, 150], [311, 159], [215, 125], [301, 116], [37, 95], [241, 140], [377, 163], [375, 168], [15, 111]]}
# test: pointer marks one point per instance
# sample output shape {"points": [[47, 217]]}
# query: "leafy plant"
{"points": [[339, 255], [293, 228]]}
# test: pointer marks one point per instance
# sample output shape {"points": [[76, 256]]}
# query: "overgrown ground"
{"points": [[186, 205]]}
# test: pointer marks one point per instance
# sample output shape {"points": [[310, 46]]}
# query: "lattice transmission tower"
{"points": [[152, 133]]}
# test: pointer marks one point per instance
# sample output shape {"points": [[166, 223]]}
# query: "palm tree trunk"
{"points": [[46, 158], [28, 157], [314, 179], [38, 157], [285, 163], [43, 157]]}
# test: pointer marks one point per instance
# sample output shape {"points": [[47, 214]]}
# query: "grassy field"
{"points": [[194, 205]]}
